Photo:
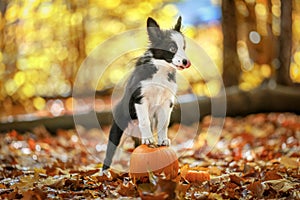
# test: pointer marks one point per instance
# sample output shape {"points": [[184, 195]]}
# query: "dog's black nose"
{"points": [[186, 63]]}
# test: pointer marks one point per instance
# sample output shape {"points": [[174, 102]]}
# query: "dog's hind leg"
{"points": [[115, 135]]}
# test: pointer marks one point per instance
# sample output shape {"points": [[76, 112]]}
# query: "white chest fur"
{"points": [[155, 108], [159, 89]]}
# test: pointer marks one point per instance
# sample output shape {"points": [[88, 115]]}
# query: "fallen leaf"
{"points": [[215, 171], [181, 189], [289, 162], [215, 196], [2, 186], [167, 186], [128, 189], [272, 175], [36, 193], [257, 189], [281, 185], [237, 180], [156, 196], [31, 144], [163, 189]]}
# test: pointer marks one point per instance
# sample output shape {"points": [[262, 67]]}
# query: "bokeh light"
{"points": [[43, 43]]}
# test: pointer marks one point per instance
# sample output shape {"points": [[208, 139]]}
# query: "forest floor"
{"points": [[257, 156]]}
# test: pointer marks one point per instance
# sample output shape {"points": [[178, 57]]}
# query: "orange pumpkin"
{"points": [[145, 159], [197, 176]]}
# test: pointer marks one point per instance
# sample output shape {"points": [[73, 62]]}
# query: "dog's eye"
{"points": [[172, 48]]}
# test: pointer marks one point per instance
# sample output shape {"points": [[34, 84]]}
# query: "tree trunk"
{"points": [[239, 103], [285, 43], [231, 63], [3, 5]]}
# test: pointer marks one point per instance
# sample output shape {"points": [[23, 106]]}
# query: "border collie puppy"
{"points": [[150, 91]]}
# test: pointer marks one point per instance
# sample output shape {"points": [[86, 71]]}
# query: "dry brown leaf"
{"points": [[215, 171], [237, 180], [257, 189], [128, 189], [289, 162], [282, 185], [272, 175]]}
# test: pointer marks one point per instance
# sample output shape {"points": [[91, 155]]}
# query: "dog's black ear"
{"points": [[178, 24], [153, 29]]}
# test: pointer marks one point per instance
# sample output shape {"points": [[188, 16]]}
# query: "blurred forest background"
{"points": [[44, 42]]}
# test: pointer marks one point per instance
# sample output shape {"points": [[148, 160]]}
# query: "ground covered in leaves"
{"points": [[256, 157]]}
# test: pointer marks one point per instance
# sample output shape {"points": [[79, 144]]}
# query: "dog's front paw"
{"points": [[148, 141], [164, 142]]}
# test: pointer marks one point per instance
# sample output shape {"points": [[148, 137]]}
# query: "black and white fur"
{"points": [[150, 92]]}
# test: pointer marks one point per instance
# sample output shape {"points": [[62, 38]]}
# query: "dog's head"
{"points": [[168, 45]]}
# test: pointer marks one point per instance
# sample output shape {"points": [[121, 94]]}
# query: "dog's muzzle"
{"points": [[185, 64]]}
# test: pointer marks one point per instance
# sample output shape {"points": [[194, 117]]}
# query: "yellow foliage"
{"points": [[47, 41]]}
